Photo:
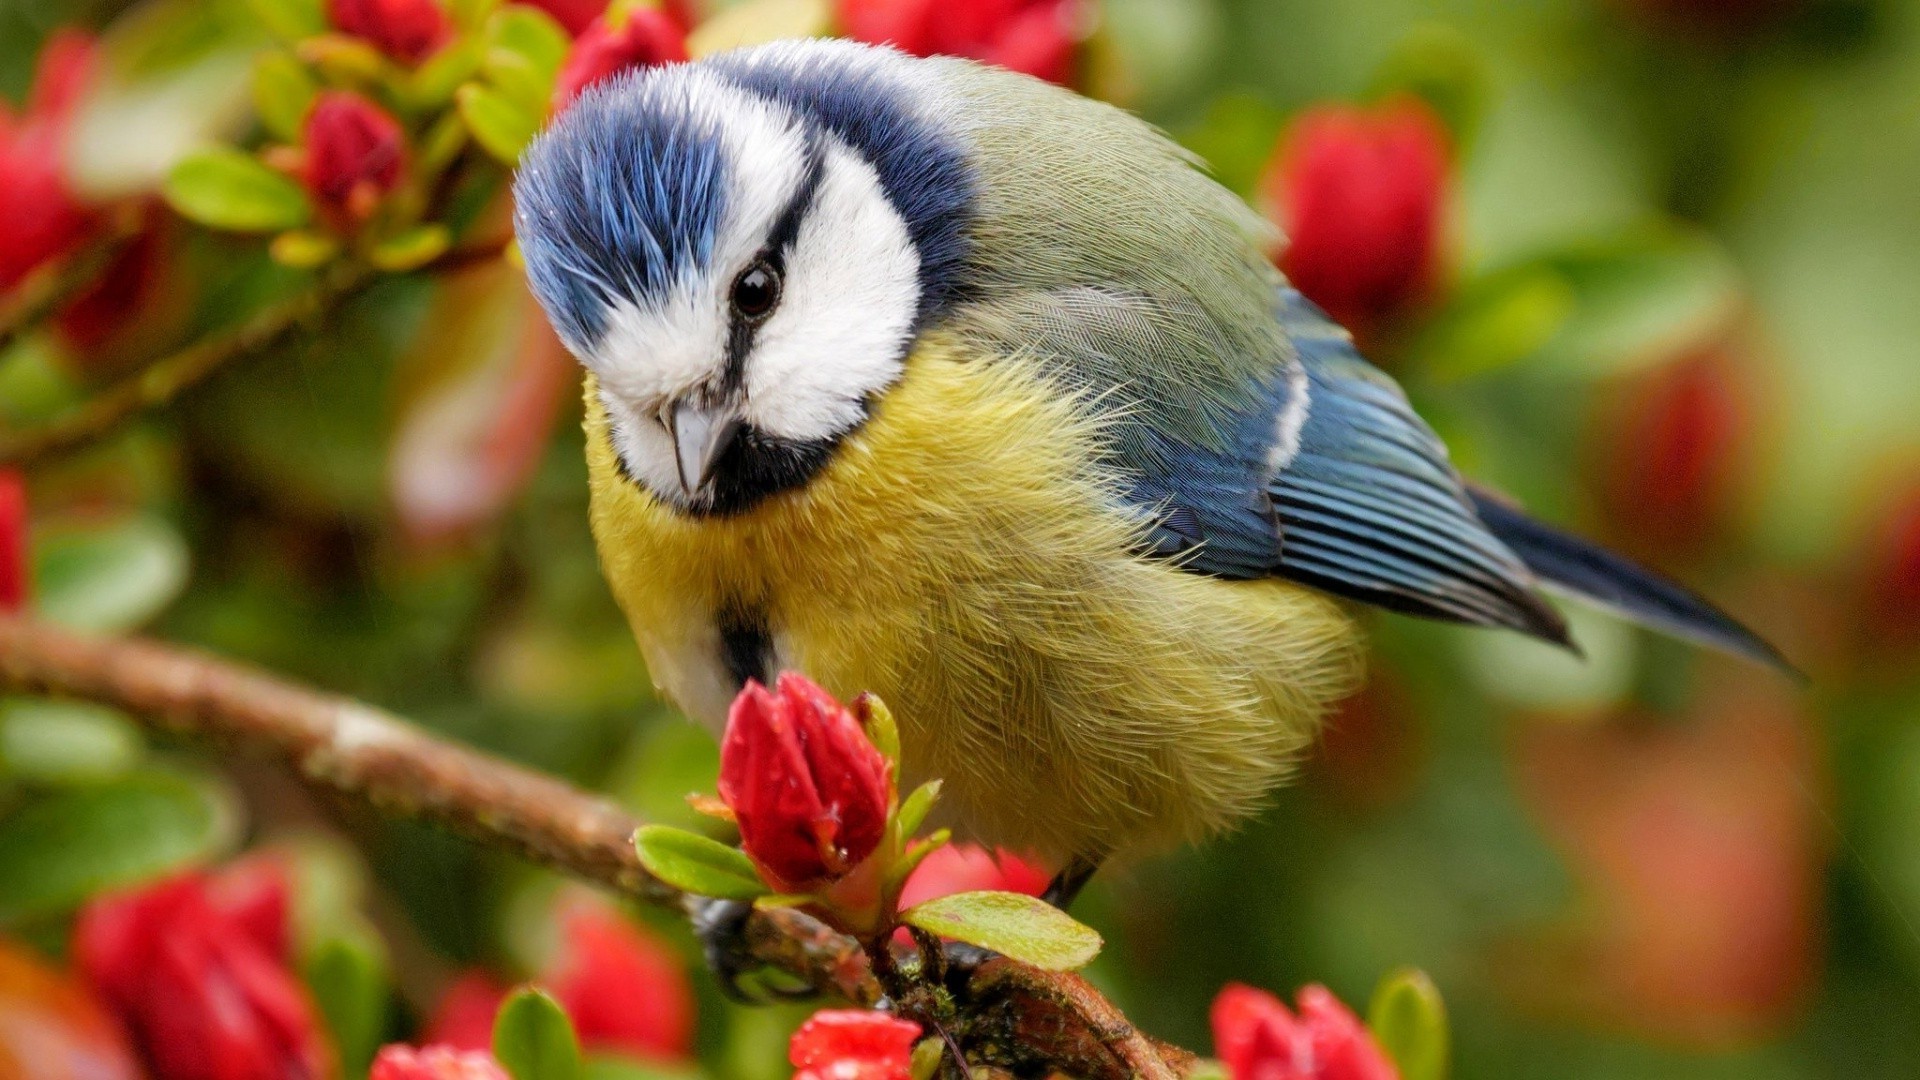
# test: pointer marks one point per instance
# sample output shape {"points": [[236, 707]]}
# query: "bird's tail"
{"points": [[1582, 569]]}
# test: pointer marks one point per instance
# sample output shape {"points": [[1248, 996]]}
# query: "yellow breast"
{"points": [[961, 557]]}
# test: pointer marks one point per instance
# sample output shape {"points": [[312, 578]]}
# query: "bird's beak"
{"points": [[701, 434]]}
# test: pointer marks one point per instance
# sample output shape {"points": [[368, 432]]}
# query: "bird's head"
{"points": [[733, 267]]}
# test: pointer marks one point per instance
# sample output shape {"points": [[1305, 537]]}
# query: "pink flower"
{"points": [[354, 155], [44, 219], [1361, 192], [1671, 454], [853, 1044], [406, 30], [14, 570], [625, 991], [1260, 1039], [958, 868], [1037, 37], [197, 967], [809, 790], [644, 38], [400, 1062]]}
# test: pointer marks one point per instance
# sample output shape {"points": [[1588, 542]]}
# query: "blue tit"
{"points": [[942, 382]]}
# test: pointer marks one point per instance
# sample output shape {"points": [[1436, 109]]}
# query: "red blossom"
{"points": [[463, 1018], [14, 570], [197, 968], [958, 868], [407, 30], [1259, 1038], [1037, 37], [643, 38], [44, 219], [434, 1062], [1361, 193], [853, 1044], [355, 155], [1671, 452], [625, 990], [1892, 579], [808, 788]]}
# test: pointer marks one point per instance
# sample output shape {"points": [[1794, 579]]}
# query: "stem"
{"points": [[1011, 1014]]}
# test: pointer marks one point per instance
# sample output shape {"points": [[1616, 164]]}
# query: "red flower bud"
{"points": [[958, 868], [463, 1018], [400, 1062], [1361, 192], [811, 793], [1259, 1039], [354, 157], [44, 219], [14, 570], [1670, 451], [625, 990], [1037, 37], [853, 1044], [407, 30], [197, 969], [645, 37]]}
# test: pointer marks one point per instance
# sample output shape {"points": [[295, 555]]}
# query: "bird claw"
{"points": [[721, 927]]}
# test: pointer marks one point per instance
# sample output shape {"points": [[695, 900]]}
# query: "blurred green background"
{"points": [[1655, 863]]}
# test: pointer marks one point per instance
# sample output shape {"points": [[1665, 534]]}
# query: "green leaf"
{"points": [[534, 1040], [1235, 137], [65, 742], [624, 1067], [411, 249], [223, 188], [913, 812], [1496, 322], [62, 848], [501, 125], [348, 978], [433, 83], [290, 20], [1024, 928], [283, 91], [303, 249], [915, 854], [692, 863], [527, 36], [108, 578], [877, 720], [1442, 67], [1410, 1022], [530, 87]]}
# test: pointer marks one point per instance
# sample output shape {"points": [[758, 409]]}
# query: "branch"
{"points": [[51, 286], [1012, 1015]]}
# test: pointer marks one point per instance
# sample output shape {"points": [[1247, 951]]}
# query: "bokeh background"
{"points": [[1651, 266]]}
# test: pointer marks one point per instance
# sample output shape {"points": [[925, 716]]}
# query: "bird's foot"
{"points": [[721, 926]]}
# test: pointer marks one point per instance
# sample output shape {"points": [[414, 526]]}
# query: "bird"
{"points": [[941, 382]]}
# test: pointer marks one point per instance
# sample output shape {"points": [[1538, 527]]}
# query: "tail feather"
{"points": [[1566, 563]]}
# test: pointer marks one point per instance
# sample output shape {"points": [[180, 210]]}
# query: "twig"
{"points": [[164, 379], [1012, 1015]]}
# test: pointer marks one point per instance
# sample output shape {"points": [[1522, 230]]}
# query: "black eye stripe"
{"points": [[773, 257]]}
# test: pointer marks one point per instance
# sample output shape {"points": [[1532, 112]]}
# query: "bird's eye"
{"points": [[756, 290]]}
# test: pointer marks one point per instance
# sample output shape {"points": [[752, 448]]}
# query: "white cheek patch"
{"points": [[852, 288]]}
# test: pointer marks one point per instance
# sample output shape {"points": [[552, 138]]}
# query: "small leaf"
{"points": [[913, 812], [283, 91], [1442, 67], [65, 742], [501, 125], [1024, 928], [226, 189], [915, 854], [344, 60], [303, 249], [621, 1066], [530, 36], [62, 848], [348, 978], [470, 14], [108, 578], [533, 1038], [1409, 1021], [881, 729], [1496, 322], [290, 20], [530, 86], [433, 83], [692, 863], [411, 249], [444, 140]]}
